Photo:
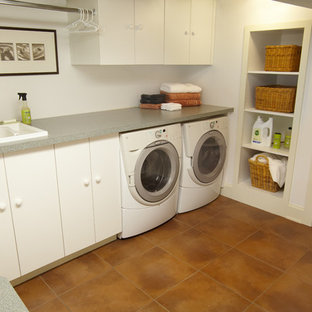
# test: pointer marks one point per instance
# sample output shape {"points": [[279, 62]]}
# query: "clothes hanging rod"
{"points": [[40, 6]]}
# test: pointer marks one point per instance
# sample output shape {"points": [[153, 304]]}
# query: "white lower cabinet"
{"points": [[89, 188], [9, 266], [105, 168], [74, 180], [33, 195]]}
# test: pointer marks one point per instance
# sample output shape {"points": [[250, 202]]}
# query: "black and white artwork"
{"points": [[23, 51], [28, 51], [7, 51]]}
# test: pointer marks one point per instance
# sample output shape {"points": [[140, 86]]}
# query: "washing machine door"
{"points": [[209, 156], [156, 171]]}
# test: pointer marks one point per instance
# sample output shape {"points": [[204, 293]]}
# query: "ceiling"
{"points": [[304, 3]]}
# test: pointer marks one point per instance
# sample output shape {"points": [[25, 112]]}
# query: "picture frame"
{"points": [[28, 51]]}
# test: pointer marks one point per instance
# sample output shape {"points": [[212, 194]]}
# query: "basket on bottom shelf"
{"points": [[260, 174]]}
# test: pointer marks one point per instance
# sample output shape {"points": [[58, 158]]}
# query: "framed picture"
{"points": [[28, 51]]}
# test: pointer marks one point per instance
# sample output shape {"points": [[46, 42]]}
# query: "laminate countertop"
{"points": [[75, 127], [9, 300]]}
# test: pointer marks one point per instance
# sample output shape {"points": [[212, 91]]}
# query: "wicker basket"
{"points": [[260, 175], [276, 98], [282, 58]]}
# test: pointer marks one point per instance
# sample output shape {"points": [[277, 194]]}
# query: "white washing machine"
{"points": [[150, 170], [204, 153]]}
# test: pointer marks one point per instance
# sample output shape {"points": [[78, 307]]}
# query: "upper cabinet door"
{"points": [[149, 31], [116, 19], [202, 31], [9, 262], [177, 31], [33, 192]]}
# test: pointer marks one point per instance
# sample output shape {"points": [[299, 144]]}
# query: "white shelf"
{"points": [[263, 72], [247, 184], [281, 151], [258, 111]]}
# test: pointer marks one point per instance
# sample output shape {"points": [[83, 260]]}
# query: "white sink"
{"points": [[18, 131]]}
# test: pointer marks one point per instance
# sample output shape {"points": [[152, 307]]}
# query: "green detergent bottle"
{"points": [[25, 110]]}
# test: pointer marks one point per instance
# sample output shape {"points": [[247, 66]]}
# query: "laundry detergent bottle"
{"points": [[25, 110], [262, 132]]}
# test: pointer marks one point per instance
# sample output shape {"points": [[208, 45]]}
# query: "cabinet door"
{"points": [[106, 185], [9, 266], [149, 31], [74, 181], [117, 31], [177, 31], [35, 207], [202, 31]]}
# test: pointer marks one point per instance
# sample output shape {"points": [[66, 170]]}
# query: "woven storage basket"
{"points": [[282, 58], [276, 98], [260, 175]]}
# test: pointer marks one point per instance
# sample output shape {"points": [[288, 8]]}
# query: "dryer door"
{"points": [[209, 156], [156, 171]]}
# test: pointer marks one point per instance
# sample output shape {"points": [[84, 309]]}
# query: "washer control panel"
{"points": [[161, 133]]}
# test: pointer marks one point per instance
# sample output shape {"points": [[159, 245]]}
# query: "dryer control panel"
{"points": [[161, 133]]}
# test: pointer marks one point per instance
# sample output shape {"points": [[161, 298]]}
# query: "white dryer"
{"points": [[150, 170], [204, 153]]}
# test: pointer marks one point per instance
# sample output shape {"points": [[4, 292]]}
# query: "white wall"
{"points": [[77, 89], [221, 82]]}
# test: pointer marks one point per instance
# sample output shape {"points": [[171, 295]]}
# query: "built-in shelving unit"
{"points": [[253, 75]]}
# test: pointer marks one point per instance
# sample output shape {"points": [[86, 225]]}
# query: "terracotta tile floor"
{"points": [[224, 257]]}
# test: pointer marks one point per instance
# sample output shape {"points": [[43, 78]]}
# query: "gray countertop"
{"points": [[74, 127], [9, 300]]}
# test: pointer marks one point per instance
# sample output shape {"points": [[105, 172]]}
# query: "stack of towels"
{"points": [[152, 100], [187, 94]]}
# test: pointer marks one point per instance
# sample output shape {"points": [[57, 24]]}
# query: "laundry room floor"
{"points": [[224, 257]]}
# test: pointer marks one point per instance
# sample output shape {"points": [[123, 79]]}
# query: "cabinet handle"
{"points": [[139, 27], [193, 34], [86, 182], [130, 27], [18, 202], [186, 33], [2, 206], [98, 180]]}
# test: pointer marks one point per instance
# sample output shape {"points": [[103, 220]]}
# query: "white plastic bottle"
{"points": [[262, 132]]}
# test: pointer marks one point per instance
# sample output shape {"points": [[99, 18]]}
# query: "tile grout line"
{"points": [[226, 287], [57, 296]]}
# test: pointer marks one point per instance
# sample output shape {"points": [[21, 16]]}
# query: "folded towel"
{"points": [[181, 96], [187, 102], [150, 106], [171, 106], [153, 98], [172, 87], [277, 167]]}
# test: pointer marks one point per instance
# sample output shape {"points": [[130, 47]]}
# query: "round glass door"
{"points": [[209, 156], [156, 171]]}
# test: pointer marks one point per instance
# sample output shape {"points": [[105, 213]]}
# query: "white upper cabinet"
{"points": [[9, 262], [189, 31], [33, 193], [149, 31], [173, 32], [177, 31], [74, 181], [131, 32]]}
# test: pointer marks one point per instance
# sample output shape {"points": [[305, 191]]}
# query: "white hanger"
{"points": [[85, 22]]}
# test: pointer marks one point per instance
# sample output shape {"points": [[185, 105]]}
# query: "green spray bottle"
{"points": [[25, 110]]}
